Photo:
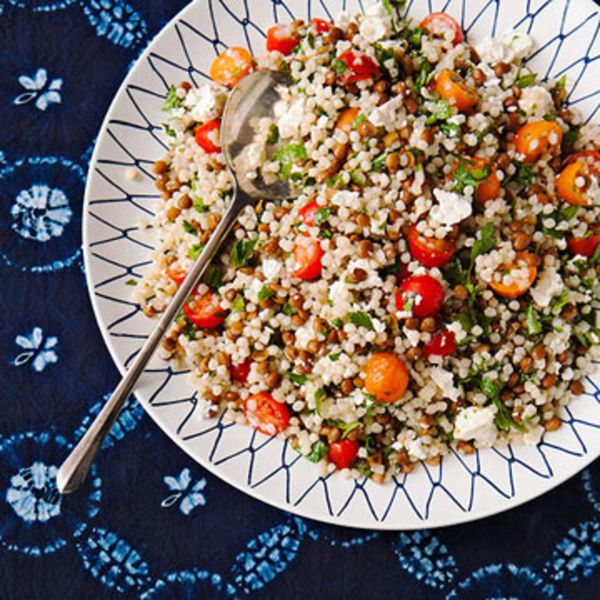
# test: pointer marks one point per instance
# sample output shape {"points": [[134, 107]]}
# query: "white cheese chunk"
{"points": [[444, 380], [549, 285], [476, 423], [205, 102], [513, 45], [291, 119], [386, 114], [452, 208], [536, 101]]}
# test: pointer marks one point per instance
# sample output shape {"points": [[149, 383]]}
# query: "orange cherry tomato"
{"points": [[240, 372], [585, 246], [176, 273], [205, 311], [537, 137], [439, 24], [516, 288], [266, 414], [452, 87], [282, 38], [386, 377], [429, 251], [307, 257], [321, 25], [230, 66], [307, 213], [346, 119], [343, 453], [358, 67], [489, 189], [207, 136], [581, 167]]}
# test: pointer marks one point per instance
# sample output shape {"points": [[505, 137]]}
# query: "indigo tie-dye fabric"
{"points": [[151, 523]]}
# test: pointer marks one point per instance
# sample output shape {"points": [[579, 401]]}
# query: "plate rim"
{"points": [[295, 510]]}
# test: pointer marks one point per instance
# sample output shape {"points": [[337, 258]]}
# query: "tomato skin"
{"points": [[586, 155], [442, 343], [176, 273], [427, 293], [307, 213], [437, 22], [358, 67], [430, 252], [266, 414], [490, 188], [204, 311], [452, 87], [307, 256], [230, 66], [321, 25], [585, 246], [240, 372], [514, 290], [343, 453], [205, 135], [533, 139], [386, 377], [282, 38]]}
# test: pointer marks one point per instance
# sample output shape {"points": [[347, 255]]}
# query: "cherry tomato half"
{"points": [[535, 138], [282, 38], [358, 67], [442, 343], [176, 273], [386, 377], [439, 24], [429, 251], [591, 157], [230, 66], [585, 246], [266, 414], [425, 293], [240, 372], [573, 182], [205, 311], [207, 136], [307, 213], [519, 287], [321, 25], [343, 453], [452, 87], [307, 257], [489, 188]]}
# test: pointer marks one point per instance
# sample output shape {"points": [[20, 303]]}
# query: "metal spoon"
{"points": [[252, 98]]}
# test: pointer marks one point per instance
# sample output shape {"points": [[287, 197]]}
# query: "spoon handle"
{"points": [[74, 470]]}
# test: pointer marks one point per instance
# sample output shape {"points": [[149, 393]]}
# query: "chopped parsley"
{"points": [[239, 305], [297, 379], [318, 452], [441, 112], [189, 228], [286, 309], [451, 129], [526, 80], [503, 419], [322, 216], [131, 282], [563, 299], [264, 293], [199, 205], [288, 156], [172, 100], [169, 130], [470, 174], [320, 394], [195, 250], [213, 276], [531, 320], [361, 319], [273, 136], [338, 66], [242, 252]]}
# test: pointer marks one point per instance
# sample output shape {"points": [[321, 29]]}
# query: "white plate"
{"points": [[461, 488]]}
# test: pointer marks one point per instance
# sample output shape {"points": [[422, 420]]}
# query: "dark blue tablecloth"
{"points": [[152, 523]]}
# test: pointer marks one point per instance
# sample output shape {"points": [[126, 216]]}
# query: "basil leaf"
{"points": [[361, 319], [338, 66]]}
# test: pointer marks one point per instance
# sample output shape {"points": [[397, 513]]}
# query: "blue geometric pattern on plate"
{"points": [[461, 488]]}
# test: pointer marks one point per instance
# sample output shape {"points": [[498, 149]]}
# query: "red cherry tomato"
{"points": [[585, 246], [403, 273], [266, 414], [321, 25], [343, 453], [307, 256], [426, 294], [358, 67], [430, 252], [207, 136], [282, 38], [442, 343], [240, 372], [439, 24], [307, 213], [205, 311], [176, 273]]}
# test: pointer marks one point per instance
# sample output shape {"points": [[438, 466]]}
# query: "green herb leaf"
{"points": [[320, 395], [334, 357], [451, 129], [172, 100], [199, 205], [318, 452], [273, 136], [131, 282], [213, 276], [379, 162], [566, 214], [469, 174], [297, 379], [441, 112], [320, 110], [337, 323], [195, 250], [338, 66], [531, 320], [485, 242], [358, 178], [361, 319], [189, 330], [169, 130], [286, 309], [322, 216], [264, 293], [288, 156], [504, 419], [562, 82], [239, 305], [347, 427], [526, 80], [189, 228], [524, 174], [560, 303], [242, 252], [423, 75], [571, 136], [596, 256]]}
